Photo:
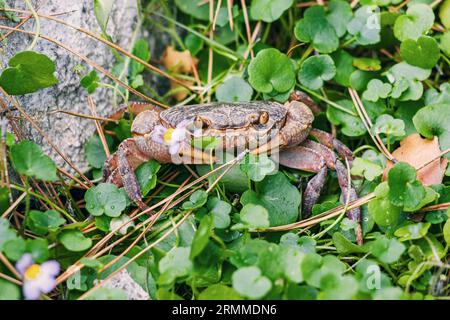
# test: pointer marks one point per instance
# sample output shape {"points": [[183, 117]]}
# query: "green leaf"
{"points": [[269, 10], [339, 15], [102, 12], [278, 196], [423, 53], [402, 72], [444, 13], [258, 167], [175, 264], [385, 249], [365, 25], [384, 213], [412, 231], [201, 236], [95, 153], [193, 43], [142, 51], [446, 231], [219, 292], [146, 175], [433, 96], [28, 72], [196, 200], [29, 160], [90, 81], [315, 267], [404, 189], [74, 240], [344, 67], [43, 222], [6, 233], [315, 70], [253, 217], [376, 89], [9, 291], [389, 126], [39, 249], [14, 249], [432, 121], [220, 210], [418, 20], [249, 282], [337, 287], [345, 246], [445, 44], [271, 70], [351, 125], [105, 198], [314, 28], [365, 168], [234, 89], [367, 64]]}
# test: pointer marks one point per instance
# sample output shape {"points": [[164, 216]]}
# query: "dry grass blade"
{"points": [[216, 14], [247, 27], [9, 266], [13, 206], [99, 128], [230, 13], [81, 115], [323, 216], [368, 124]]}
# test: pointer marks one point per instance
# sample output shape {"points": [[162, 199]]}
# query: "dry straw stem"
{"points": [[99, 128], [107, 42], [247, 27], [368, 124], [92, 64]]}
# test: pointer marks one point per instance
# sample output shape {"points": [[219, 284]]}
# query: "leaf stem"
{"points": [[331, 103]]}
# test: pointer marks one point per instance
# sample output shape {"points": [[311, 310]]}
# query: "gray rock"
{"points": [[67, 132]]}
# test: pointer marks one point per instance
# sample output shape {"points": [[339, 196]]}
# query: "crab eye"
{"points": [[264, 117], [199, 123]]}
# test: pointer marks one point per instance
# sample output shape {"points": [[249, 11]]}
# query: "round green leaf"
{"points": [[412, 231], [220, 211], [432, 121], [446, 231], [9, 291], [385, 249], [314, 28], [191, 7], [269, 10], [444, 13], [365, 25], [146, 175], [270, 71], [445, 44], [196, 200], [278, 196], [376, 89], [404, 189], [384, 213], [418, 20], [28, 72], [257, 167], [423, 53], [29, 160], [234, 89], [105, 198], [253, 217], [249, 282], [43, 222], [95, 153], [315, 70], [74, 240], [175, 264], [351, 125], [219, 292]]}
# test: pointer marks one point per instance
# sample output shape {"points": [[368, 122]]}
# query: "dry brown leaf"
{"points": [[182, 92], [179, 61], [417, 151]]}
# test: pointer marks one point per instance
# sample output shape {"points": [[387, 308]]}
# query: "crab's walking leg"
{"points": [[129, 157], [328, 140], [310, 160]]}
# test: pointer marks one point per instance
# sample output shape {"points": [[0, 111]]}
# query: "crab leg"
{"points": [[328, 140]]}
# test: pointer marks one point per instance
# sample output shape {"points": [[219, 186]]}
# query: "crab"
{"points": [[165, 136]]}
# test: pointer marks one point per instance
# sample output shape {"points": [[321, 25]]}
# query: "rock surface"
{"points": [[67, 132]]}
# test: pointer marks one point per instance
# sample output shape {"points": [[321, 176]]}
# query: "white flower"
{"points": [[172, 137], [37, 279], [120, 224]]}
